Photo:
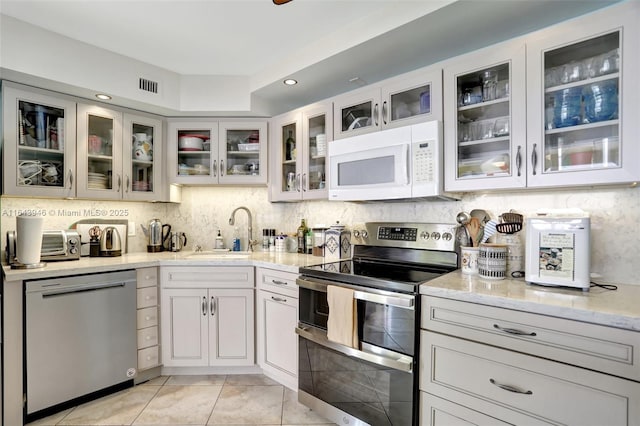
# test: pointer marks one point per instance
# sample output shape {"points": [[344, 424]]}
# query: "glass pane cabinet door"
{"points": [[142, 157], [483, 123], [357, 113], [39, 143], [242, 151], [290, 179], [316, 135], [100, 158], [581, 106], [197, 154]]}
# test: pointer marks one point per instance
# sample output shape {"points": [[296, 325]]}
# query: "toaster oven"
{"points": [[56, 245]]}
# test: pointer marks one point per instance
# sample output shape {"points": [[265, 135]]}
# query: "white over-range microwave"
{"points": [[394, 164]]}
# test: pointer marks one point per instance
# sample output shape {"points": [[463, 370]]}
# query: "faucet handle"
{"points": [[252, 243]]}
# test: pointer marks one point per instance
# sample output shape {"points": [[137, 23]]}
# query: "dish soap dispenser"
{"points": [[219, 241]]}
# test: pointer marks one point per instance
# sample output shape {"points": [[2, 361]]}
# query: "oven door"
{"points": [[374, 383]]}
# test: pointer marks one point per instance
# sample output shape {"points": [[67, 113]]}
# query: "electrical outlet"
{"points": [[131, 229]]}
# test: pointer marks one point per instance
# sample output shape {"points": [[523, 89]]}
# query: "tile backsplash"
{"points": [[614, 213]]}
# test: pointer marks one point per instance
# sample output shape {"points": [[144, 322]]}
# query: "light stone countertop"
{"points": [[287, 262], [616, 308]]}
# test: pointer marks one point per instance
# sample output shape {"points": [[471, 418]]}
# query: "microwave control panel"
{"points": [[424, 161]]}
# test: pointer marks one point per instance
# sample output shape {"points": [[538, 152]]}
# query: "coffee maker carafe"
{"points": [[157, 237]]}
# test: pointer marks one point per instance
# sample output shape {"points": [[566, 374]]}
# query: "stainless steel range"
{"points": [[359, 323]]}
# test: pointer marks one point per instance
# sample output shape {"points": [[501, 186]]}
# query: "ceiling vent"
{"points": [[148, 85]]}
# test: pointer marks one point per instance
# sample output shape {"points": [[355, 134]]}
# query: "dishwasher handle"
{"points": [[82, 289]]}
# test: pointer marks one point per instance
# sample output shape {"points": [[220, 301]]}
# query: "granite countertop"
{"points": [[616, 308], [287, 262]]}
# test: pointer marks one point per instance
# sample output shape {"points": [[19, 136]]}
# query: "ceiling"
{"points": [[324, 44]]}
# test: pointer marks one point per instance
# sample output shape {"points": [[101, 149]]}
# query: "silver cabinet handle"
{"points": [[70, 179], [215, 166], [213, 305], [221, 168], [518, 160], [384, 112], [298, 182], [276, 282], [119, 183], [514, 331], [278, 299], [534, 158], [126, 180], [375, 115], [510, 388], [204, 306], [304, 182]]}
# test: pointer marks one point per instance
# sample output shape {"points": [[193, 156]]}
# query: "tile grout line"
{"points": [[149, 402]]}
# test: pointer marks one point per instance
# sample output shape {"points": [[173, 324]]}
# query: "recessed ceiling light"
{"points": [[290, 82], [103, 97]]}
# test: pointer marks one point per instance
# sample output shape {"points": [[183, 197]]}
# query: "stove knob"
{"points": [[447, 236], [356, 233], [364, 234], [424, 235], [435, 235]]}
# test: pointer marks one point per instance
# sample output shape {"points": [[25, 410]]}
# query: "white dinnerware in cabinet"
{"points": [[39, 142], [485, 119], [142, 158], [582, 89], [242, 152], [299, 150], [406, 99], [99, 153]]}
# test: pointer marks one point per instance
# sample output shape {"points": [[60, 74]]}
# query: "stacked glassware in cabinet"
{"points": [[483, 122], [581, 106]]}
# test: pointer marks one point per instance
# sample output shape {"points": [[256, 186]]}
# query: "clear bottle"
{"points": [[308, 241], [236, 239], [302, 232], [290, 147]]}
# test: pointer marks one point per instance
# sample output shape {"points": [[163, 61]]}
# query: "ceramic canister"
{"points": [[492, 261], [337, 244]]}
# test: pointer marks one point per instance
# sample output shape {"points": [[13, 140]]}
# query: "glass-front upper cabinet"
{"points": [[485, 119], [193, 152], [243, 152], [583, 113], [142, 158], [99, 148], [400, 101], [317, 133], [39, 143]]}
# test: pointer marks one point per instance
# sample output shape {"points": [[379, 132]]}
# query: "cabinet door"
{"points": [[192, 149], [485, 119], [317, 133], [39, 143], [242, 152], [185, 327], [286, 155], [278, 341], [142, 158], [582, 101], [412, 98], [356, 113], [231, 330], [99, 153]]}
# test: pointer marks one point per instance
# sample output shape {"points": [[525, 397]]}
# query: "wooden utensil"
{"points": [[473, 227]]}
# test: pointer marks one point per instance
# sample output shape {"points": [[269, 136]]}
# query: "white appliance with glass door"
{"points": [[582, 100]]}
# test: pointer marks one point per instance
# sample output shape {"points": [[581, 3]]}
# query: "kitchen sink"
{"points": [[204, 255]]}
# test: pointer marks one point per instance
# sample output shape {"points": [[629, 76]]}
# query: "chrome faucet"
{"points": [[250, 241]]}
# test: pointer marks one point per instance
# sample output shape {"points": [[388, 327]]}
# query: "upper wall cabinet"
{"points": [[39, 132], [211, 152], [485, 119], [406, 99], [300, 141], [583, 111]]}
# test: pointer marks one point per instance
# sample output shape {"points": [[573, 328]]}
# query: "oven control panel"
{"points": [[431, 236]]}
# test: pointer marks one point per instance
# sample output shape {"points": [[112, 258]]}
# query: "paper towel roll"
{"points": [[29, 239]]}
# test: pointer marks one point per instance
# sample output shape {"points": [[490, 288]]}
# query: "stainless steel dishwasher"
{"points": [[80, 337]]}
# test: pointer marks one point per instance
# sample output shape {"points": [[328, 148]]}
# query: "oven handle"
{"points": [[405, 363], [361, 293]]}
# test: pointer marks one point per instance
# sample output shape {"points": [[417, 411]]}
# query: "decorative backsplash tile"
{"points": [[614, 216]]}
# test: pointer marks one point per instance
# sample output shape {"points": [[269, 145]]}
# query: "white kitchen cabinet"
{"points": [[39, 142], [143, 158], [147, 318], [436, 411], [208, 316], [485, 132], [232, 152], [494, 364], [406, 99], [277, 318], [582, 109], [300, 173]]}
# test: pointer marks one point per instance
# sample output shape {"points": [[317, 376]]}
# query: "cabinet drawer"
{"points": [[148, 358], [607, 349], [277, 281], [147, 337], [436, 411], [147, 317], [147, 277], [516, 385], [207, 277], [147, 296]]}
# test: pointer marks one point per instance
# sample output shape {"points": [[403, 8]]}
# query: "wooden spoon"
{"points": [[473, 227]]}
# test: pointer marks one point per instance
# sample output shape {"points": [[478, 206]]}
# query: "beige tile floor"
{"points": [[193, 400]]}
